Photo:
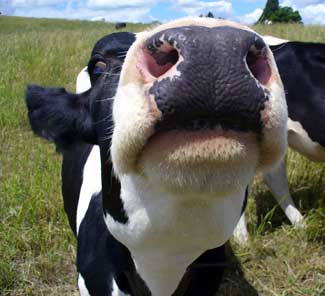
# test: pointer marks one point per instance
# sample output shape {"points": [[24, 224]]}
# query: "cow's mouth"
{"points": [[210, 124], [191, 160]]}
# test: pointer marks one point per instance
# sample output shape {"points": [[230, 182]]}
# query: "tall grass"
{"points": [[37, 248]]}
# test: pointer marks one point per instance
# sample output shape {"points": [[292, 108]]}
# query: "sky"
{"points": [[245, 11]]}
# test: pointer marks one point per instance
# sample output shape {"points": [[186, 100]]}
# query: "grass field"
{"points": [[37, 248]]}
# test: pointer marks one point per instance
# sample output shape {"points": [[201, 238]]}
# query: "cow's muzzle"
{"points": [[205, 78]]}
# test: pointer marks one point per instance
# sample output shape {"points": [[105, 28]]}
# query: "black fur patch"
{"points": [[302, 69], [74, 159], [100, 257], [59, 116]]}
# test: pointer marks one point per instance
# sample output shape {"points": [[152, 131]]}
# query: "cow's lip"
{"points": [[209, 124], [217, 131], [196, 134], [199, 134], [187, 150]]}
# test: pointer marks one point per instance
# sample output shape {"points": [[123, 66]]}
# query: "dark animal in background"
{"points": [[182, 151], [119, 26]]}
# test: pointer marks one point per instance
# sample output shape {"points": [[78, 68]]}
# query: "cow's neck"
{"points": [[166, 232]]}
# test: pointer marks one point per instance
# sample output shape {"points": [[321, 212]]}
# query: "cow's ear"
{"points": [[60, 117]]}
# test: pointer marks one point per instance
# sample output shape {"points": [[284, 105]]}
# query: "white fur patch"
{"points": [[116, 291], [299, 140], [270, 40], [166, 232], [82, 286], [278, 183], [295, 216], [91, 183], [241, 234], [83, 81]]}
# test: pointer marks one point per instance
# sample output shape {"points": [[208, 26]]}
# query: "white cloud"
{"points": [[5, 7], [313, 14], [195, 8], [251, 17], [311, 11], [111, 15], [123, 10], [33, 3], [114, 4], [296, 4]]}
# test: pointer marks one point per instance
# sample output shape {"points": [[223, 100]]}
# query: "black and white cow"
{"points": [[302, 69], [197, 109], [119, 26]]}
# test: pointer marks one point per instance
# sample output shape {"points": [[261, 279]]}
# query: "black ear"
{"points": [[60, 117]]}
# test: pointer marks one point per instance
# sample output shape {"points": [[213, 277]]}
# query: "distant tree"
{"points": [[270, 7], [286, 15], [276, 14], [210, 14]]}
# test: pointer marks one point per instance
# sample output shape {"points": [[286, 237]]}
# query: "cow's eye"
{"points": [[99, 67]]}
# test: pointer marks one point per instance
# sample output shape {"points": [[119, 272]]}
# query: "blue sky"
{"points": [[246, 11]]}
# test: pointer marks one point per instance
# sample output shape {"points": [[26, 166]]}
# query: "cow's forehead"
{"points": [[193, 21]]}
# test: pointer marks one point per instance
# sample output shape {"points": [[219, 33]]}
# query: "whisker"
{"points": [[107, 118], [110, 128], [107, 99], [111, 74], [108, 138], [117, 67]]}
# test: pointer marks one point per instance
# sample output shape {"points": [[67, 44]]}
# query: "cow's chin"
{"points": [[204, 162]]}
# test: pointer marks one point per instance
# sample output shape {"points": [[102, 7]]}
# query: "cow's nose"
{"points": [[204, 77]]}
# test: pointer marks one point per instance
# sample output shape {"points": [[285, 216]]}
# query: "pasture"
{"points": [[37, 247]]}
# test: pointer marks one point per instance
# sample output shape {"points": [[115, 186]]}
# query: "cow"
{"points": [[120, 26], [159, 153], [302, 69]]}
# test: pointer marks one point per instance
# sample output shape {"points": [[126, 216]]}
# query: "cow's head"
{"points": [[199, 108]]}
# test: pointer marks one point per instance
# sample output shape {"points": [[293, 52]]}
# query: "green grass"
{"points": [[37, 248]]}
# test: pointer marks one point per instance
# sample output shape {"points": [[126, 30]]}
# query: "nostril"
{"points": [[158, 59], [258, 64]]}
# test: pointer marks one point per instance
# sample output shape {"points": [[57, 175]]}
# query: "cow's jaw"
{"points": [[166, 232]]}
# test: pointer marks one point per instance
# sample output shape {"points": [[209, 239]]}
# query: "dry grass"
{"points": [[37, 248]]}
